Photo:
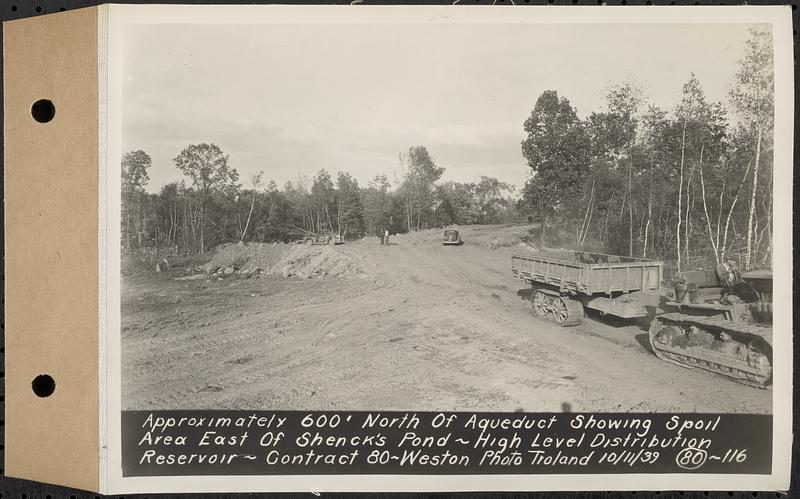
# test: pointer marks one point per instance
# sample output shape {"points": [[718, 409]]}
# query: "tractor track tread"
{"points": [[694, 363], [574, 308], [764, 332], [744, 374]]}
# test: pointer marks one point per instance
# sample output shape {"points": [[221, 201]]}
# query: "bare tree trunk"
{"points": [[586, 217], [687, 229], [755, 238], [724, 246], [409, 213], [185, 228], [759, 231], [630, 205], [659, 225], [680, 193], [767, 260], [175, 231], [339, 218], [719, 211], [753, 202], [202, 229], [173, 219], [328, 216], [588, 222], [246, 225], [649, 213], [708, 220]]}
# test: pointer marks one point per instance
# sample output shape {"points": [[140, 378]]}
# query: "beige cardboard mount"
{"points": [[51, 249], [61, 242]]}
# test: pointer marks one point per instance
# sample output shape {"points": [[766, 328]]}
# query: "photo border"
{"points": [[119, 15]]}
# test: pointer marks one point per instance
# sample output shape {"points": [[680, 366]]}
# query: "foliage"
{"points": [[421, 173], [690, 184], [684, 185], [134, 179], [753, 99], [557, 149], [215, 209], [215, 182]]}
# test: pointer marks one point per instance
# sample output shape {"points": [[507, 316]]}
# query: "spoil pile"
{"points": [[301, 261], [316, 261], [243, 258]]}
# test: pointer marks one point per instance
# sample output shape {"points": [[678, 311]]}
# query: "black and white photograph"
{"points": [[494, 217], [409, 217]]}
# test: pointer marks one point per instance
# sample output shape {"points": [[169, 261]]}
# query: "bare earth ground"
{"points": [[418, 327]]}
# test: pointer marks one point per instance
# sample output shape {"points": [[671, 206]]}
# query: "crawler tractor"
{"points": [[722, 324]]}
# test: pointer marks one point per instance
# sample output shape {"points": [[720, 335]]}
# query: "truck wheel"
{"points": [[561, 310], [541, 304]]}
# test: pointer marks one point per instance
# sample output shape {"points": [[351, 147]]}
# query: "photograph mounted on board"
{"points": [[485, 217]]}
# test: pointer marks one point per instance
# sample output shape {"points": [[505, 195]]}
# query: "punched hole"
{"points": [[43, 385], [43, 110]]}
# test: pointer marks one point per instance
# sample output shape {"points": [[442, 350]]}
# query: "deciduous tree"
{"points": [[753, 98], [207, 167], [557, 149]]}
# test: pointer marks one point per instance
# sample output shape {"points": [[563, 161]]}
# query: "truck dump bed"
{"points": [[588, 273]]}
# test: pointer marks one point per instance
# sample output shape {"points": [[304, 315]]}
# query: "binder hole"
{"points": [[43, 110], [43, 385], [13, 8]]}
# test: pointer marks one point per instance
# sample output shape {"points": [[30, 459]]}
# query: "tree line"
{"points": [[691, 185], [211, 205]]}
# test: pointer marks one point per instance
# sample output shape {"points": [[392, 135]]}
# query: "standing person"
{"points": [[382, 240], [386, 237]]}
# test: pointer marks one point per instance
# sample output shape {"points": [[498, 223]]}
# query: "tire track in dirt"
{"points": [[425, 327]]}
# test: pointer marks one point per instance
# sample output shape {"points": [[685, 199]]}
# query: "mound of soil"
{"points": [[281, 259], [244, 258], [316, 261]]}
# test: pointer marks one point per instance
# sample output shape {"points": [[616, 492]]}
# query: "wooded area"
{"points": [[214, 207], [691, 184]]}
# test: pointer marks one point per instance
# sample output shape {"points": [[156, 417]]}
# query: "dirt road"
{"points": [[419, 326]]}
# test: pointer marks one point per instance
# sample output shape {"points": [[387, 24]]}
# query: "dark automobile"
{"points": [[451, 237]]}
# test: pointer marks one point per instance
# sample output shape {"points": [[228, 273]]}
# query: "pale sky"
{"points": [[298, 98]]}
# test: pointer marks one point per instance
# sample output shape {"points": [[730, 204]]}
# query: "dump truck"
{"points": [[721, 322], [563, 282]]}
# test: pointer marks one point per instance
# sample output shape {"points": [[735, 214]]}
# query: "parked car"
{"points": [[451, 237]]}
